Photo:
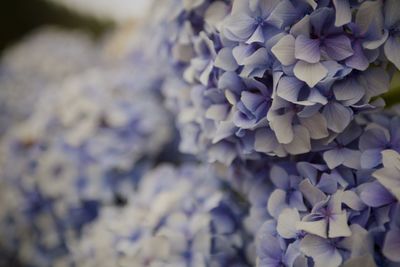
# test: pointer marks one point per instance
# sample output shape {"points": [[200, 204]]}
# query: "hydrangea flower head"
{"points": [[274, 77], [179, 217]]}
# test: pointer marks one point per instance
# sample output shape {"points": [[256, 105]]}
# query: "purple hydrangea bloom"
{"points": [[28, 69], [178, 217], [83, 147], [273, 77]]}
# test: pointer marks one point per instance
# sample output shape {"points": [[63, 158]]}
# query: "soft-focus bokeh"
{"points": [[196, 133]]}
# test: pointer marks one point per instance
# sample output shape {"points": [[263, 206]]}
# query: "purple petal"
{"points": [[391, 246], [392, 51], [376, 81], [225, 60], [307, 49], [279, 177], [284, 50], [337, 116], [375, 195], [392, 12], [310, 73], [374, 138], [289, 88], [358, 60], [338, 47], [371, 158], [348, 90]]}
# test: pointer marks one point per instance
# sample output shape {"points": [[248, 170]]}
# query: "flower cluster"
{"points": [[273, 77], [28, 69], [83, 147], [178, 217], [328, 210]]}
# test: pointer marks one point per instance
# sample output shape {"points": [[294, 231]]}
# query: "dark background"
{"points": [[19, 17]]}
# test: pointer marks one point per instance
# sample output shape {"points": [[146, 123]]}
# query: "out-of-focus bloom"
{"points": [[28, 69], [273, 77], [178, 217], [83, 146]]}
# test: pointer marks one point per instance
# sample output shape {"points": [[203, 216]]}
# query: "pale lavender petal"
{"points": [[343, 12], [222, 152], [311, 193], [284, 14], [215, 14], [351, 158], [301, 143], [225, 60], [287, 221], [321, 251], [231, 81], [284, 50], [289, 88], [217, 112], [337, 116], [265, 141], [318, 228], [239, 26], [352, 200], [338, 226], [316, 125], [392, 51], [282, 126], [310, 73], [257, 36], [224, 130], [307, 49], [333, 158], [277, 202], [391, 246]]}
